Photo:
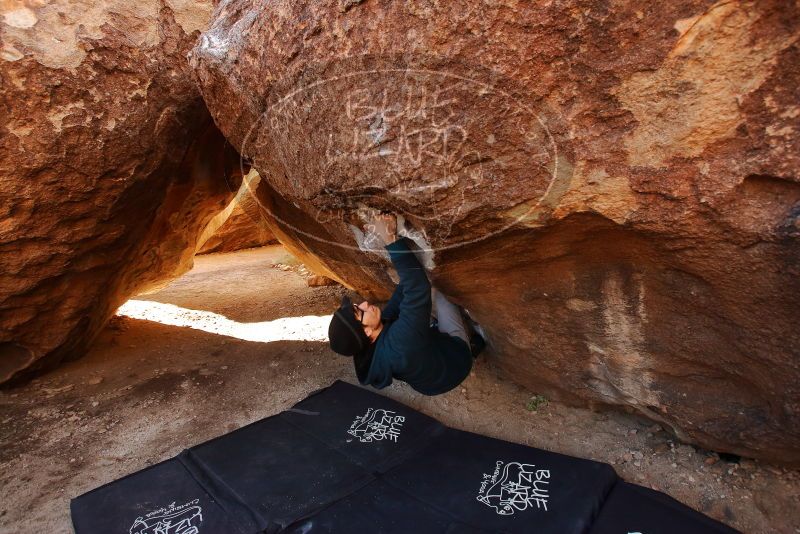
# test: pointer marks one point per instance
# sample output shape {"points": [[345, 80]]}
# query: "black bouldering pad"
{"points": [[631, 508], [505, 487], [162, 498], [372, 431], [346, 459]]}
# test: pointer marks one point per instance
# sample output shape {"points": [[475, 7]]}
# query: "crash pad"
{"points": [[347, 459], [631, 508]]}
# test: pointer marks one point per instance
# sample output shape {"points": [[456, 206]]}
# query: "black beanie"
{"points": [[345, 333]]}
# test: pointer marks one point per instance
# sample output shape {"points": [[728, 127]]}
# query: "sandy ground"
{"points": [[147, 390]]}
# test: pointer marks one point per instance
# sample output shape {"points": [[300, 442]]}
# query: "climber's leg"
{"points": [[451, 322]]}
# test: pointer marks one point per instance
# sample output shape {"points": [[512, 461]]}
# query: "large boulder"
{"points": [[110, 166], [612, 191]]}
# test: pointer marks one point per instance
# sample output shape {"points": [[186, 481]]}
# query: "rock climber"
{"points": [[400, 341]]}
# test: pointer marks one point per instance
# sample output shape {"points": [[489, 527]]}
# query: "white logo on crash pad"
{"points": [[377, 425], [515, 486], [181, 519]]}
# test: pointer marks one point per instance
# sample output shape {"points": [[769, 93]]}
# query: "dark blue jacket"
{"points": [[408, 348]]}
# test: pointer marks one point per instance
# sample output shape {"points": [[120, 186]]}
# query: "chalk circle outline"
{"points": [[254, 129]]}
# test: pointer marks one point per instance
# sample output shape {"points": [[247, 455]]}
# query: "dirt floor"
{"points": [[150, 388]]}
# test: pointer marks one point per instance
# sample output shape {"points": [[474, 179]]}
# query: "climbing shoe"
{"points": [[476, 344]]}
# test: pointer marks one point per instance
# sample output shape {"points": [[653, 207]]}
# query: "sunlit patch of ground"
{"points": [[305, 328]]}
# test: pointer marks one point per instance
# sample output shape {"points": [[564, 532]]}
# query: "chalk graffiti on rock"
{"points": [[377, 425], [515, 486], [434, 146], [181, 519], [408, 128]]}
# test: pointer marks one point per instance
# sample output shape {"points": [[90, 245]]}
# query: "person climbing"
{"points": [[399, 342]]}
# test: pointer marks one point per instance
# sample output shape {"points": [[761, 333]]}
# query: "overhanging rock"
{"points": [[612, 193]]}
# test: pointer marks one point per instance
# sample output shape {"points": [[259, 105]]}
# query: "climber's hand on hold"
{"points": [[384, 227], [405, 229]]}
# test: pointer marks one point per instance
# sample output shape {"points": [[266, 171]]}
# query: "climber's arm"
{"points": [[392, 309], [411, 329]]}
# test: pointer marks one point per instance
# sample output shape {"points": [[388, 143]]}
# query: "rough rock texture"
{"points": [[318, 280], [240, 225], [110, 166], [610, 188]]}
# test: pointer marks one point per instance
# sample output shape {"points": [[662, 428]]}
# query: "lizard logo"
{"points": [[515, 486], [182, 519], [377, 425]]}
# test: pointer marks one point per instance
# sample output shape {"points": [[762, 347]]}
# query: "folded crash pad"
{"points": [[346, 459]]}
